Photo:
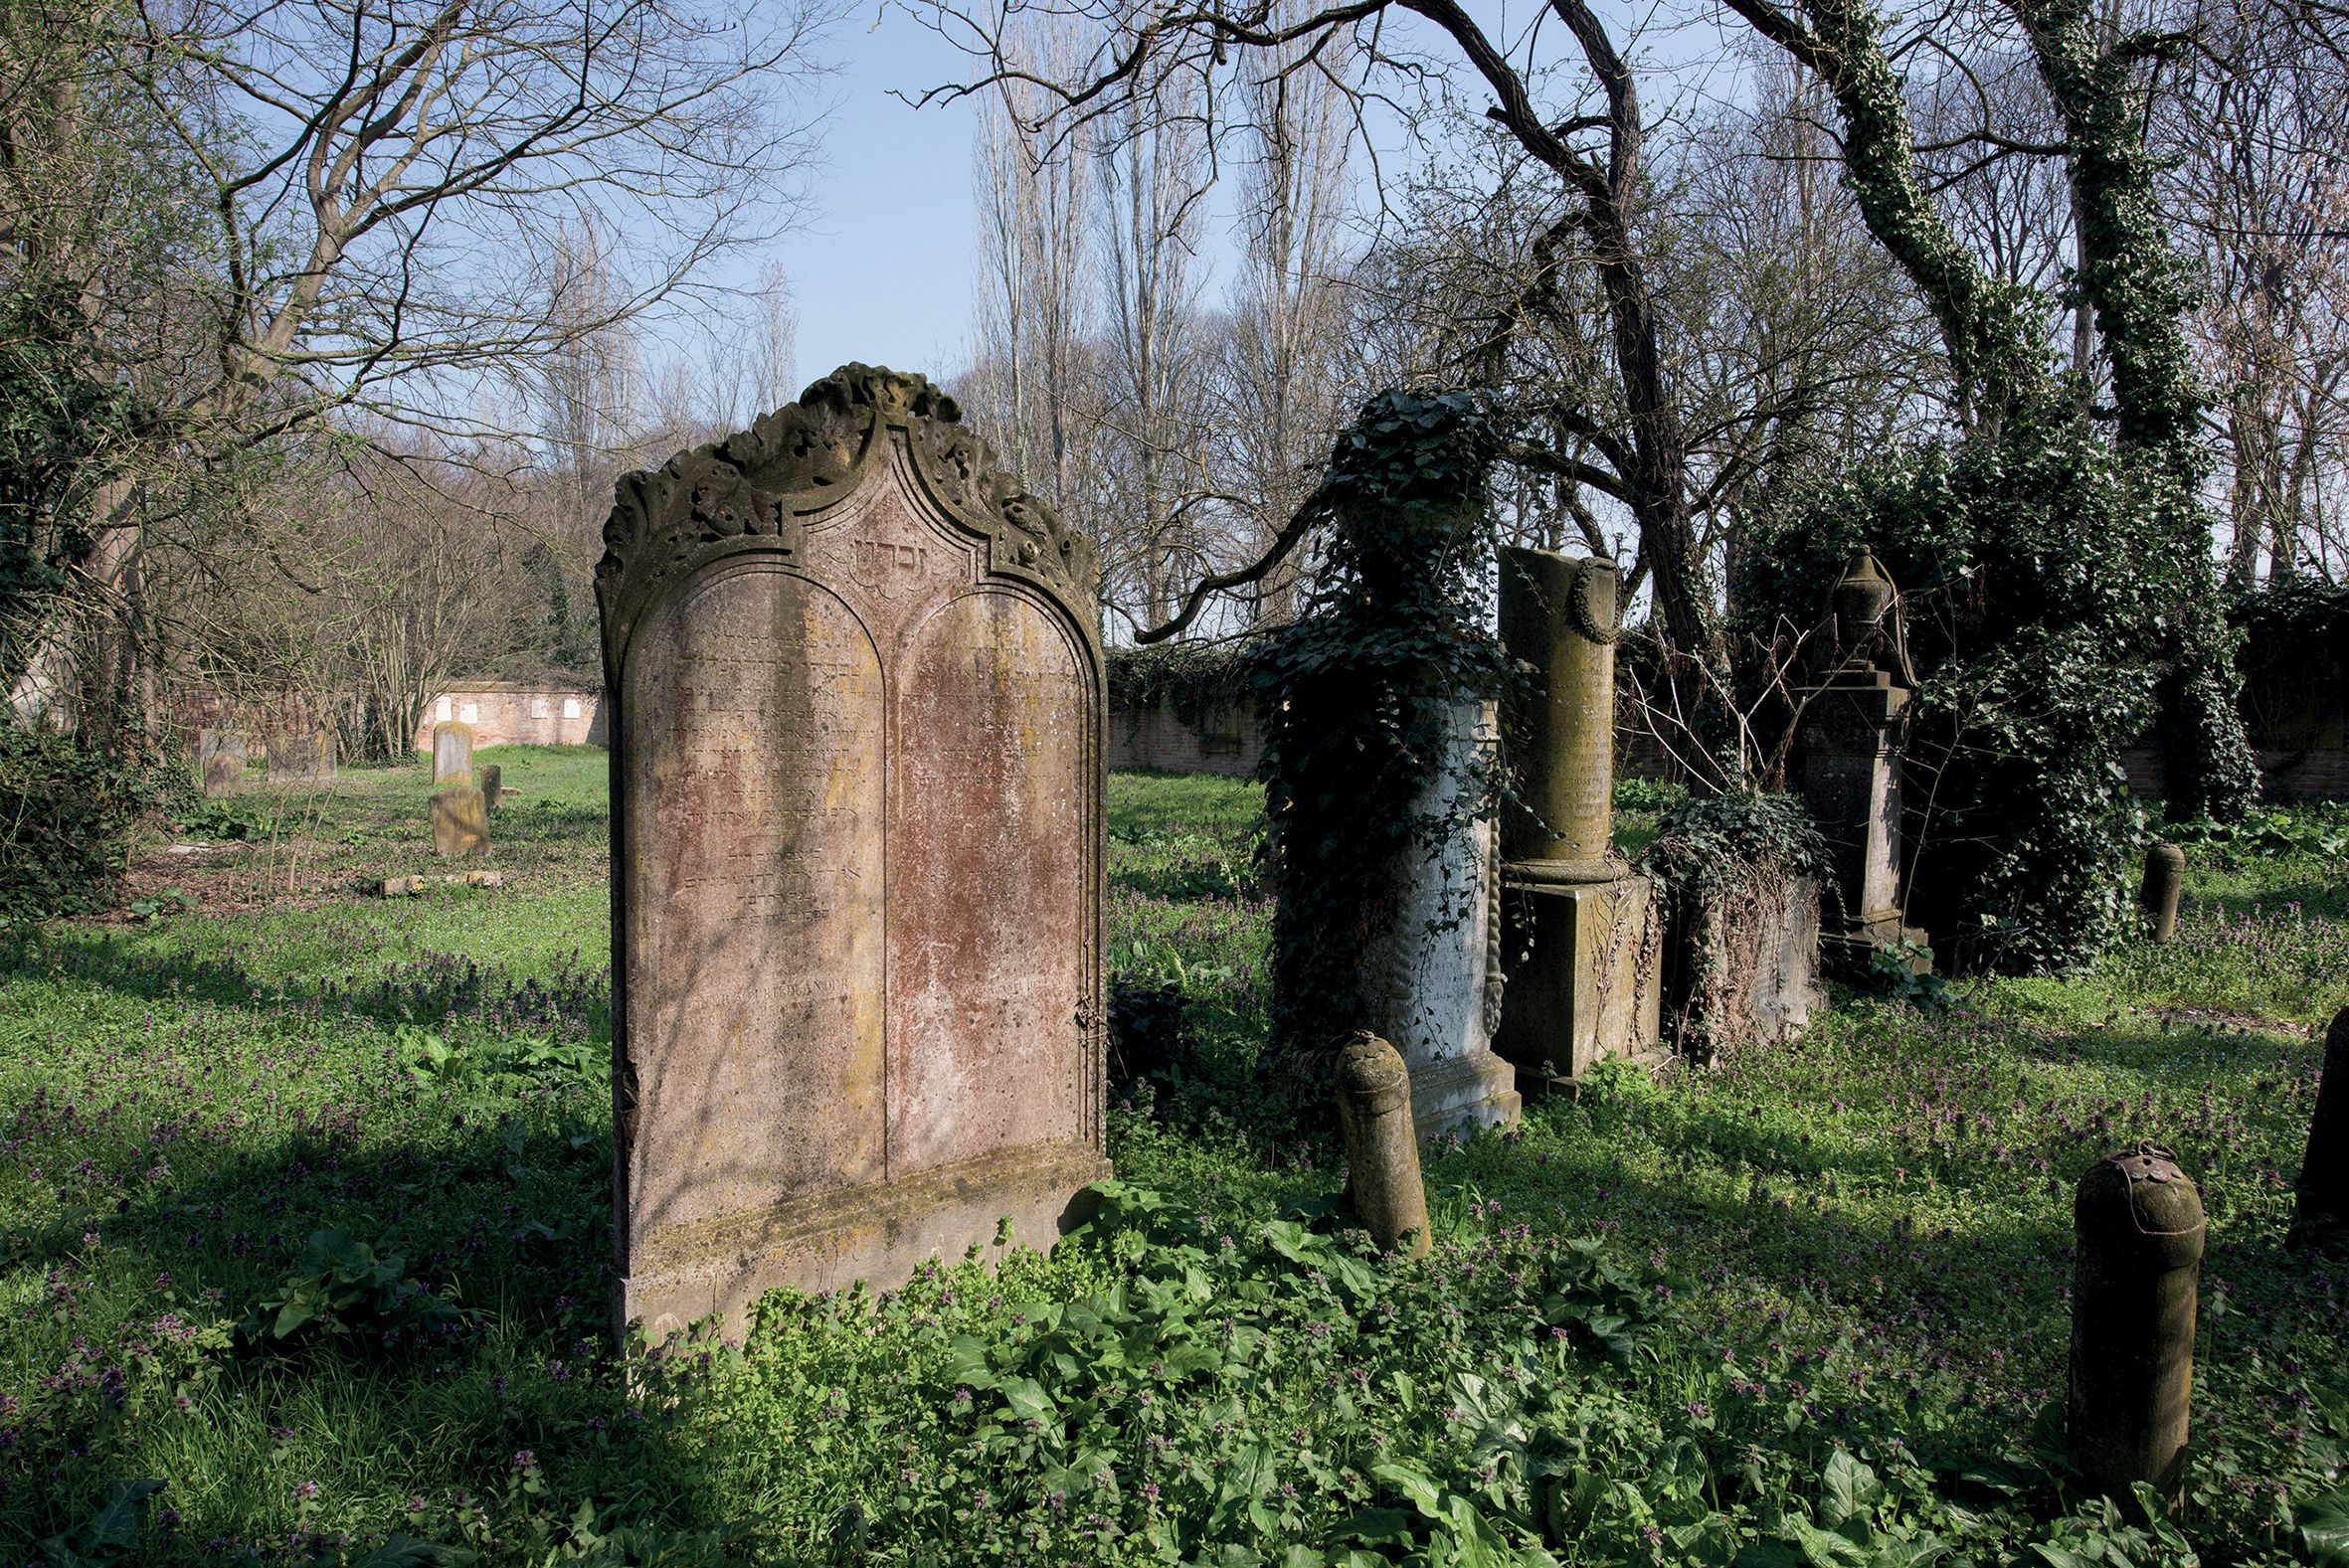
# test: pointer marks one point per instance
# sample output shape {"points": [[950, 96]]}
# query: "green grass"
{"points": [[1828, 1293]]}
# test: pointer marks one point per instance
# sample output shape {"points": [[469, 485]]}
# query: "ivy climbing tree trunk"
{"points": [[2138, 290], [1988, 327]]}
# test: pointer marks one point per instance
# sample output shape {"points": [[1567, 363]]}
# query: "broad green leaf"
{"points": [[115, 1527], [1852, 1491], [2324, 1527]]}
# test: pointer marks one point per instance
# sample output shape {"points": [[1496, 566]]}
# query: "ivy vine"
{"points": [[1358, 702]]}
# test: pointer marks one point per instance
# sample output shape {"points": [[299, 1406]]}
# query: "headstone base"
{"points": [[1848, 949], [877, 1234], [1460, 1093], [1583, 983]]}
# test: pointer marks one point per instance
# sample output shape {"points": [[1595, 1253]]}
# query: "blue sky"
{"points": [[881, 272]]}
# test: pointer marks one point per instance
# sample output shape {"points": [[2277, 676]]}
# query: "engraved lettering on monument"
{"points": [[856, 717]]}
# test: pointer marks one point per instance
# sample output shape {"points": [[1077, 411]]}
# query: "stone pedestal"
{"points": [[1435, 961], [1582, 974], [1851, 788], [1580, 940]]}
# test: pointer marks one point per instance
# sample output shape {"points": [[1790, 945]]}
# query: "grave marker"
{"points": [[856, 700], [461, 822], [453, 752], [1851, 782], [219, 761], [1581, 928], [306, 758]]}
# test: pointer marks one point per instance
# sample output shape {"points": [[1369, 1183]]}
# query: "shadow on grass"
{"points": [[507, 1417], [575, 1002]]}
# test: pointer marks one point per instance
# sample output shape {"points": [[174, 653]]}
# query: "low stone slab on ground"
{"points": [[401, 887]]}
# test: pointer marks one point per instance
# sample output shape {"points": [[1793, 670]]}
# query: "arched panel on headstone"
{"points": [[754, 848], [991, 806]]}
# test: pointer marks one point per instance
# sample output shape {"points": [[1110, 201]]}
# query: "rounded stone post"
{"points": [[1382, 1144], [2321, 1217], [1559, 616], [2157, 896], [2137, 1217]]}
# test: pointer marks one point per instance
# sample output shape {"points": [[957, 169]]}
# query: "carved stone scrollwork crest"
{"points": [[759, 484]]}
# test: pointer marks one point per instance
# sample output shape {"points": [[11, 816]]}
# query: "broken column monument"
{"points": [[1851, 777], [1580, 938], [855, 698]]}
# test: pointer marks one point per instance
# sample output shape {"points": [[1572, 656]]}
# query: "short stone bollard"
{"points": [[1382, 1144], [2137, 1218], [492, 785], [460, 823], [2320, 1218], [2157, 896]]}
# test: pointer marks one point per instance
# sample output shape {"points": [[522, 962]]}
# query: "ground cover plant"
{"points": [[303, 1201]]}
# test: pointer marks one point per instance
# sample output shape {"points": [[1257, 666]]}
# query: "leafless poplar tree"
{"points": [[1289, 378]]}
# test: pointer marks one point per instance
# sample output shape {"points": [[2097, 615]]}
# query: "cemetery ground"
{"points": [[305, 1198]]}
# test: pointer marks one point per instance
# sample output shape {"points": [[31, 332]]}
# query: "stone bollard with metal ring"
{"points": [[2320, 1216], [2157, 895], [1382, 1144], [2138, 1220]]}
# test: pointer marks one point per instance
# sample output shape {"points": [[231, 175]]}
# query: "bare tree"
{"points": [[2257, 130], [385, 184], [1288, 381], [1036, 381], [1152, 172]]}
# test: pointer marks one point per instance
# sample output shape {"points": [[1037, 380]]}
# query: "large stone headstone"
{"points": [[306, 757], [856, 701], [220, 760], [453, 752], [1580, 931]]}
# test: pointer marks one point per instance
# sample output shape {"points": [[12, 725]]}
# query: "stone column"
{"points": [[1579, 940], [1431, 961], [2138, 1221], [1850, 779]]}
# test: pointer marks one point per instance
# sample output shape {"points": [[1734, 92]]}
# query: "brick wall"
{"points": [[1225, 742], [508, 713]]}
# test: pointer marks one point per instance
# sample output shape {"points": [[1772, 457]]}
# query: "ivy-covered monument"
{"points": [[1383, 780]]}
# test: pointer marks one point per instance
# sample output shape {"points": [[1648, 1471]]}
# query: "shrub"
{"points": [[67, 811]]}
